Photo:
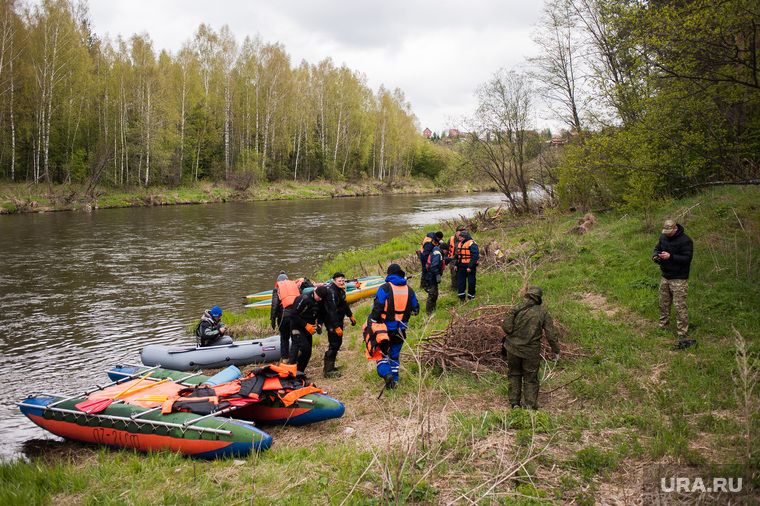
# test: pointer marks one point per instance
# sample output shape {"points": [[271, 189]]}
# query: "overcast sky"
{"points": [[437, 52]]}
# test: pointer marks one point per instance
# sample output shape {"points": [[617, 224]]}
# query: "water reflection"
{"points": [[83, 292]]}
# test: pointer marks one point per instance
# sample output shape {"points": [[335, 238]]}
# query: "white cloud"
{"points": [[437, 53]]}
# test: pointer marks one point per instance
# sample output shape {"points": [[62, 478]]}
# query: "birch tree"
{"points": [[57, 54], [12, 35], [559, 66]]}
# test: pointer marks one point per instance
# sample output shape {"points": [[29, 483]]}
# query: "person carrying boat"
{"points": [[431, 239], [523, 326], [467, 254], [210, 330], [337, 310], [284, 293], [305, 315], [395, 302]]}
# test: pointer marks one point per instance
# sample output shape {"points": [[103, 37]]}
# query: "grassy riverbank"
{"points": [[22, 198], [620, 408]]}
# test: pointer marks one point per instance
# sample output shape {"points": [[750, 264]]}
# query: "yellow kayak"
{"points": [[363, 287]]}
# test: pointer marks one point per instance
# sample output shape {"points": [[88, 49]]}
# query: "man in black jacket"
{"points": [[305, 315], [337, 310], [674, 252]]}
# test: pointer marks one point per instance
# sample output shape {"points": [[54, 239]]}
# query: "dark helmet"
{"points": [[216, 312]]}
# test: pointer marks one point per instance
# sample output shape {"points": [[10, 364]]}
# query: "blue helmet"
{"points": [[216, 312]]}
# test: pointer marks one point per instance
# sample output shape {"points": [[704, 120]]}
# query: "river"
{"points": [[83, 292]]}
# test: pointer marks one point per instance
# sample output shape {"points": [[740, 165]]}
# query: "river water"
{"points": [[83, 292]]}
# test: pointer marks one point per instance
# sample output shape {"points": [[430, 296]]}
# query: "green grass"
{"points": [[624, 400]]}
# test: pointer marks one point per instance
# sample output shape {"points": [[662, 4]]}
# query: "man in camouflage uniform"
{"points": [[524, 324], [674, 252]]}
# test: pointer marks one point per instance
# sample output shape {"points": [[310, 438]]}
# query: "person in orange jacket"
{"points": [[395, 302], [284, 294], [467, 257]]}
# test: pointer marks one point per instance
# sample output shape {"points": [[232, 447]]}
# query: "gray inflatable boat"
{"points": [[238, 353]]}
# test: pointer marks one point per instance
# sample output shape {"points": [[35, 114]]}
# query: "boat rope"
{"points": [[87, 416]]}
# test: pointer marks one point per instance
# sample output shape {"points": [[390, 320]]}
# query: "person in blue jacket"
{"points": [[467, 255], [431, 240], [395, 302], [436, 265]]}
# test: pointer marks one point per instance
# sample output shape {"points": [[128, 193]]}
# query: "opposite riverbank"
{"points": [[22, 198]]}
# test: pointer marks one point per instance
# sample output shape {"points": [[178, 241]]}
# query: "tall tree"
{"points": [[499, 135], [12, 43], [558, 66], [185, 87], [144, 67], [226, 60], [618, 71], [58, 57], [275, 87]]}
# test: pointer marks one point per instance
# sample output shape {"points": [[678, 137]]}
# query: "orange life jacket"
{"points": [[373, 336], [424, 242], [282, 381], [452, 243], [398, 305], [303, 283], [463, 252], [288, 291]]}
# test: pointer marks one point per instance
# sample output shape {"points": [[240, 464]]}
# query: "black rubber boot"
{"points": [[686, 343], [329, 370], [390, 383]]}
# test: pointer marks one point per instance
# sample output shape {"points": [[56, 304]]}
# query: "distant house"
{"points": [[556, 141], [453, 132], [427, 133]]}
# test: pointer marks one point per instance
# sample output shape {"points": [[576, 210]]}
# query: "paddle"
{"points": [[98, 405]]}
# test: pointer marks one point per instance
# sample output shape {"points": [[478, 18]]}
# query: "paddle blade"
{"points": [[93, 406]]}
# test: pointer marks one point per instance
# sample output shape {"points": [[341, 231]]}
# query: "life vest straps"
{"points": [[398, 305]]}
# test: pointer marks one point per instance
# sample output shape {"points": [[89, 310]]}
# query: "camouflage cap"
{"points": [[536, 290], [668, 226]]}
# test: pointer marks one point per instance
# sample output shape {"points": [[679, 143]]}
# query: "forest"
{"points": [[77, 107], [657, 99]]}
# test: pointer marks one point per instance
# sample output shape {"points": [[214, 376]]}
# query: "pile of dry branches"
{"points": [[472, 342]]}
